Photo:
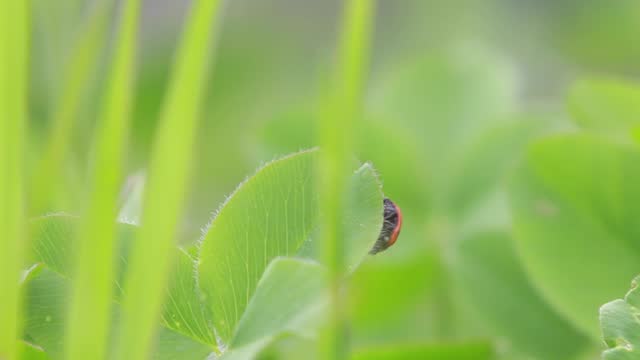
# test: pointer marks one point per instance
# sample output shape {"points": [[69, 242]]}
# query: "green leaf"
{"points": [[271, 214], [463, 351], [362, 216], [286, 307], [184, 311], [393, 150], [31, 352], [492, 279], [53, 244], [484, 162], [445, 99], [274, 213], [185, 320], [46, 299], [287, 346], [606, 105], [621, 326], [575, 204], [408, 313], [283, 301]]}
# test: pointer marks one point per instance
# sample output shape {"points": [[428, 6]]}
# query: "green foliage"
{"points": [[513, 234], [273, 214], [606, 105], [255, 226], [282, 294], [492, 276], [621, 326], [282, 301], [30, 352], [446, 101], [476, 351], [574, 203], [182, 332]]}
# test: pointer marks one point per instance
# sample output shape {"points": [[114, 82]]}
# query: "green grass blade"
{"points": [[14, 65], [90, 311], [78, 70], [168, 175], [337, 126]]}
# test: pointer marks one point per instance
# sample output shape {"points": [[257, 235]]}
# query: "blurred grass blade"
{"points": [[336, 129], [90, 311], [14, 65], [168, 175], [79, 67]]}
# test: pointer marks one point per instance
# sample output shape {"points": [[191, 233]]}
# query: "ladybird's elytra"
{"points": [[391, 226]]}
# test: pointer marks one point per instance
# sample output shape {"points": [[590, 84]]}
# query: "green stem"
{"points": [[14, 69], [90, 311], [337, 124], [77, 72], [165, 191]]}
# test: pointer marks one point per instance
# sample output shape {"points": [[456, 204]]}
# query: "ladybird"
{"points": [[391, 225]]}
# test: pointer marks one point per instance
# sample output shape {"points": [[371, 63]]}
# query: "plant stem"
{"points": [[165, 191], [90, 311], [337, 124], [14, 69], [77, 72]]}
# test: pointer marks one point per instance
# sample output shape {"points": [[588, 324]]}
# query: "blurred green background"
{"points": [[462, 106]]}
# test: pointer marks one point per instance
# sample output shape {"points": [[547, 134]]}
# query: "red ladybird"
{"points": [[391, 225]]}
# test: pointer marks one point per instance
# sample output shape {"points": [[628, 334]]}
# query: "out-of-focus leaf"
{"points": [[593, 35], [621, 326], [463, 351], [289, 131], [446, 100], [395, 151], [606, 105], [394, 301], [53, 239], [31, 352], [575, 204], [274, 213], [288, 347], [493, 281], [483, 163], [46, 302], [184, 316]]}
